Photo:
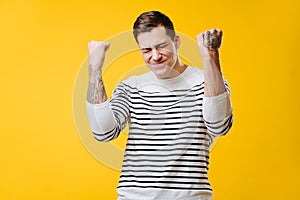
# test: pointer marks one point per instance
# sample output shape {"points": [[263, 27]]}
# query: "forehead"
{"points": [[154, 37]]}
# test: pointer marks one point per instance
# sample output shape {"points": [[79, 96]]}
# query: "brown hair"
{"points": [[148, 20]]}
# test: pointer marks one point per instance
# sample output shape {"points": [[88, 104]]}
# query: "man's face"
{"points": [[159, 51]]}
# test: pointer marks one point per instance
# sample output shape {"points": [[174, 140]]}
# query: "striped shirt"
{"points": [[171, 128]]}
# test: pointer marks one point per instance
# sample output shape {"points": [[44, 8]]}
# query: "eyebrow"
{"points": [[157, 46]]}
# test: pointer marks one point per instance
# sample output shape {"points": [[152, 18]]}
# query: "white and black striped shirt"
{"points": [[171, 128]]}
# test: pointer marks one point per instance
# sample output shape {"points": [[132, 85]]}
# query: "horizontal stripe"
{"points": [[160, 177], [166, 187], [167, 182], [105, 133], [220, 125], [166, 160], [171, 101], [163, 171], [106, 137], [169, 144], [160, 165], [169, 117], [168, 139], [169, 128], [197, 113], [223, 129], [164, 107], [159, 156], [165, 123], [170, 133], [166, 152]]}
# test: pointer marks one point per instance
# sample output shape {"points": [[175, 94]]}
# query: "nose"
{"points": [[156, 56]]}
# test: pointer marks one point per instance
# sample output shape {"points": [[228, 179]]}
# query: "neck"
{"points": [[179, 67], [176, 70]]}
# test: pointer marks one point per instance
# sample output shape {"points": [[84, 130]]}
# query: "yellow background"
{"points": [[43, 44]]}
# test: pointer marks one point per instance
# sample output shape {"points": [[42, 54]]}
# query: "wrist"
{"points": [[211, 54]]}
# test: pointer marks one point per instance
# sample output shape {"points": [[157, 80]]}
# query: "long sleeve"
{"points": [[217, 113], [109, 118]]}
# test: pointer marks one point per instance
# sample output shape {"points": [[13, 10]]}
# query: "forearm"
{"points": [[96, 91], [217, 111], [213, 79]]}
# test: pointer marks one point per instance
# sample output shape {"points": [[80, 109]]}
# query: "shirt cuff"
{"points": [[216, 108], [100, 116], [98, 105]]}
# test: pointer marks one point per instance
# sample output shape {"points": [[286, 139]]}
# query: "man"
{"points": [[174, 112]]}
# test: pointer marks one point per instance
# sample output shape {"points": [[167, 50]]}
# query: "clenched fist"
{"points": [[97, 51], [209, 42]]}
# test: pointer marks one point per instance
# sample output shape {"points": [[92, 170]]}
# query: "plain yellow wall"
{"points": [[44, 43]]}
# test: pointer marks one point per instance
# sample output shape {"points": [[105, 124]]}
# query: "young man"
{"points": [[174, 112]]}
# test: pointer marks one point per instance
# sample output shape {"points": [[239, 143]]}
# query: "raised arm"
{"points": [[209, 43], [96, 91], [106, 118], [217, 111]]}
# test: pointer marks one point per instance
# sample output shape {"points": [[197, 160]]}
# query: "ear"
{"points": [[177, 41]]}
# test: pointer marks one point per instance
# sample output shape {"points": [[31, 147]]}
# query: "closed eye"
{"points": [[159, 46], [145, 50]]}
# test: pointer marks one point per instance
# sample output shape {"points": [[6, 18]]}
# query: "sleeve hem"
{"points": [[97, 106], [217, 98], [216, 108]]}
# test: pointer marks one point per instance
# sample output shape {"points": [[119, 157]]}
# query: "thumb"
{"points": [[106, 46]]}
